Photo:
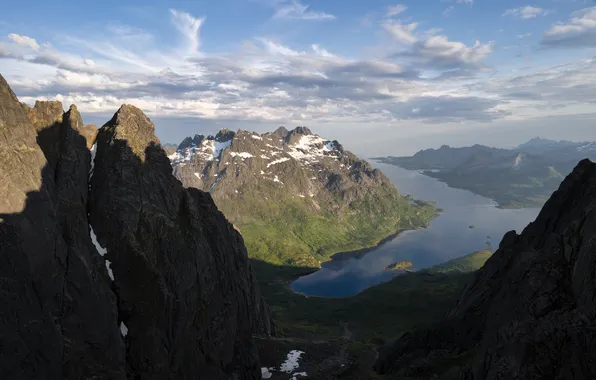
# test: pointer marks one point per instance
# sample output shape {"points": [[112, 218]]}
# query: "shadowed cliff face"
{"points": [[187, 304], [530, 311], [181, 272], [59, 314]]}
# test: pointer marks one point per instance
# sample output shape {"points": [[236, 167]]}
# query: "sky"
{"points": [[382, 77]]}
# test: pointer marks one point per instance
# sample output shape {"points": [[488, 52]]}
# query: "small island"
{"points": [[400, 265]]}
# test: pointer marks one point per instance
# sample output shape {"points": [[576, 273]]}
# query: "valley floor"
{"points": [[359, 325]]}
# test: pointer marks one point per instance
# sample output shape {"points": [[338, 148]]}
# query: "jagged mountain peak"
{"points": [[130, 124], [224, 135], [301, 131], [299, 144], [281, 131]]}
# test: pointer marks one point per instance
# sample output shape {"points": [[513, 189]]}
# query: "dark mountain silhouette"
{"points": [[171, 295]]}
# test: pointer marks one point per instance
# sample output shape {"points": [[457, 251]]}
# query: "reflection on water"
{"points": [[449, 236]]}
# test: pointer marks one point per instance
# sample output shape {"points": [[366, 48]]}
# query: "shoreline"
{"points": [[497, 204], [359, 253]]}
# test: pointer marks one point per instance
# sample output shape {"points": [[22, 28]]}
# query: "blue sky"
{"points": [[380, 75]]}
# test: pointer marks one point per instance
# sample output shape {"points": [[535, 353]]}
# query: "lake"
{"points": [[448, 236]]}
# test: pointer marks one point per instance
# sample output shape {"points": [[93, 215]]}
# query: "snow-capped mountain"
{"points": [[297, 159], [305, 190], [588, 147]]}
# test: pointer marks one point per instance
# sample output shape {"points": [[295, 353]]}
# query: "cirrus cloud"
{"points": [[295, 10], [526, 12]]}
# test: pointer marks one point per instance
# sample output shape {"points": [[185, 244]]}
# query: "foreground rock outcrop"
{"points": [[530, 312], [164, 291], [181, 272], [58, 312]]}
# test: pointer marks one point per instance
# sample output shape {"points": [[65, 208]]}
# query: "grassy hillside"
{"points": [[284, 229], [464, 264]]}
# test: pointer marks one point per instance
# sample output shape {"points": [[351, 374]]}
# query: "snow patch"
{"points": [[311, 147], [302, 196], [198, 175], [295, 375], [123, 329], [276, 179], [590, 147], [241, 154], [209, 150], [265, 157], [279, 161], [256, 137], [109, 268], [291, 362], [265, 373], [102, 251], [262, 172], [93, 153]]}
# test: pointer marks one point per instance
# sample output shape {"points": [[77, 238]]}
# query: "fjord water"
{"points": [[448, 236]]}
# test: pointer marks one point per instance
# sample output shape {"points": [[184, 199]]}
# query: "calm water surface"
{"points": [[449, 236]]}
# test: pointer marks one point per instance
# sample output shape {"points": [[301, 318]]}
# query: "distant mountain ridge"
{"points": [[524, 176], [296, 197]]}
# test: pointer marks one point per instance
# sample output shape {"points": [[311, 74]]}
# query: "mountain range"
{"points": [[112, 268], [296, 197], [524, 176]]}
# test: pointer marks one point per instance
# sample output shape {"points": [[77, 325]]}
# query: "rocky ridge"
{"points": [[529, 312], [160, 287]]}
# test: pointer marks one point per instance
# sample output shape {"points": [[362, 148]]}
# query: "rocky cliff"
{"points": [[159, 288], [529, 312], [296, 197]]}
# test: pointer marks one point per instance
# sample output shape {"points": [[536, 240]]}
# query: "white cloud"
{"points": [[526, 12], [189, 26], [401, 32], [578, 31], [525, 35], [448, 11], [394, 10], [295, 10], [440, 48], [321, 51], [465, 2], [275, 48], [424, 76], [24, 41]]}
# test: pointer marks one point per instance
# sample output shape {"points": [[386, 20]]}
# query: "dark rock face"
{"points": [[188, 305], [530, 311], [185, 288], [58, 313]]}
